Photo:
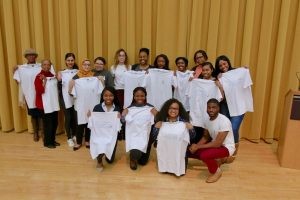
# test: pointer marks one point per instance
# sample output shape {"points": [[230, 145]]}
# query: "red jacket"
{"points": [[39, 88]]}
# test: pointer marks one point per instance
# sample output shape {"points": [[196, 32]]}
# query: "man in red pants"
{"points": [[217, 142]]}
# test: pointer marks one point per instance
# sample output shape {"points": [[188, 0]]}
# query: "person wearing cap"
{"points": [[25, 75]]}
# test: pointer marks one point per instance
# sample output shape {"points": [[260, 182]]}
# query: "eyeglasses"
{"points": [[198, 57]]}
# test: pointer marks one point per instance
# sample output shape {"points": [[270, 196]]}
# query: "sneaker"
{"points": [[70, 143], [214, 177]]}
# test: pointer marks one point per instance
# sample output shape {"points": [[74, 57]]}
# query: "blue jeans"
{"points": [[236, 123]]}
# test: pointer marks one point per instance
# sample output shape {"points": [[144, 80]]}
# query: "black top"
{"points": [[136, 67], [99, 108]]}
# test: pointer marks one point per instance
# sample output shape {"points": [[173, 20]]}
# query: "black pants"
{"points": [[50, 121], [199, 134], [83, 129], [140, 156], [70, 122], [111, 160]]}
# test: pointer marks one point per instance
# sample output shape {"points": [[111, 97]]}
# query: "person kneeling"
{"points": [[217, 128], [104, 123], [173, 132]]}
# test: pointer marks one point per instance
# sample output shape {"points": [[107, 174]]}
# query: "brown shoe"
{"points": [[214, 177], [230, 159], [36, 137]]}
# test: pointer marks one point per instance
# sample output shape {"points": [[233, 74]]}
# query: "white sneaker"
{"points": [[70, 143]]}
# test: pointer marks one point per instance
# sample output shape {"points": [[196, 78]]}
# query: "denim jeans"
{"points": [[236, 123]]}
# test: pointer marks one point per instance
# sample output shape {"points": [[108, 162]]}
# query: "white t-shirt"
{"points": [[237, 88], [67, 75], [180, 91], [132, 79], [221, 124], [138, 127], [118, 74], [86, 92], [25, 76], [200, 91], [50, 96], [159, 86], [104, 132], [172, 142]]}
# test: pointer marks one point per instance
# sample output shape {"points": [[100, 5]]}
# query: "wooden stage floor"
{"points": [[30, 171]]}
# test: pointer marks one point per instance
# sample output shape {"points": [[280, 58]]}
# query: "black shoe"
{"points": [[50, 146], [133, 164], [75, 148], [56, 143]]}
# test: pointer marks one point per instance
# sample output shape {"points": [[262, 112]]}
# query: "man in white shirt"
{"points": [[36, 117], [217, 142]]}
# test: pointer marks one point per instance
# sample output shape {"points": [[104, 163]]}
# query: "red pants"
{"points": [[209, 156]]}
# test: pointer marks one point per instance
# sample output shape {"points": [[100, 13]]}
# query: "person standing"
{"points": [[47, 102], [200, 57], [103, 74], [25, 75], [66, 100], [143, 64], [236, 83], [118, 70]]}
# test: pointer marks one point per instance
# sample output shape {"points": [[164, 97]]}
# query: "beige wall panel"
{"points": [[122, 27], [295, 66], [64, 31], [9, 33], [130, 32], [23, 33], [263, 60], [97, 27], [146, 24], [89, 26], [113, 29], [278, 68], [262, 34], [154, 28], [182, 31], [213, 29], [286, 64], [38, 28], [73, 29], [6, 116], [240, 32], [53, 49], [247, 52], [105, 33], [227, 43], [167, 29], [81, 30], [194, 42]]}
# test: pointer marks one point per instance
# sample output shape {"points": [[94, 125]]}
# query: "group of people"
{"points": [[183, 113]]}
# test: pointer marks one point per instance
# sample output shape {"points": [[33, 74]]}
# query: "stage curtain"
{"points": [[261, 34]]}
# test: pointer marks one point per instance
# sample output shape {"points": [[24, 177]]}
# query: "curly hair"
{"points": [[162, 115]]}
